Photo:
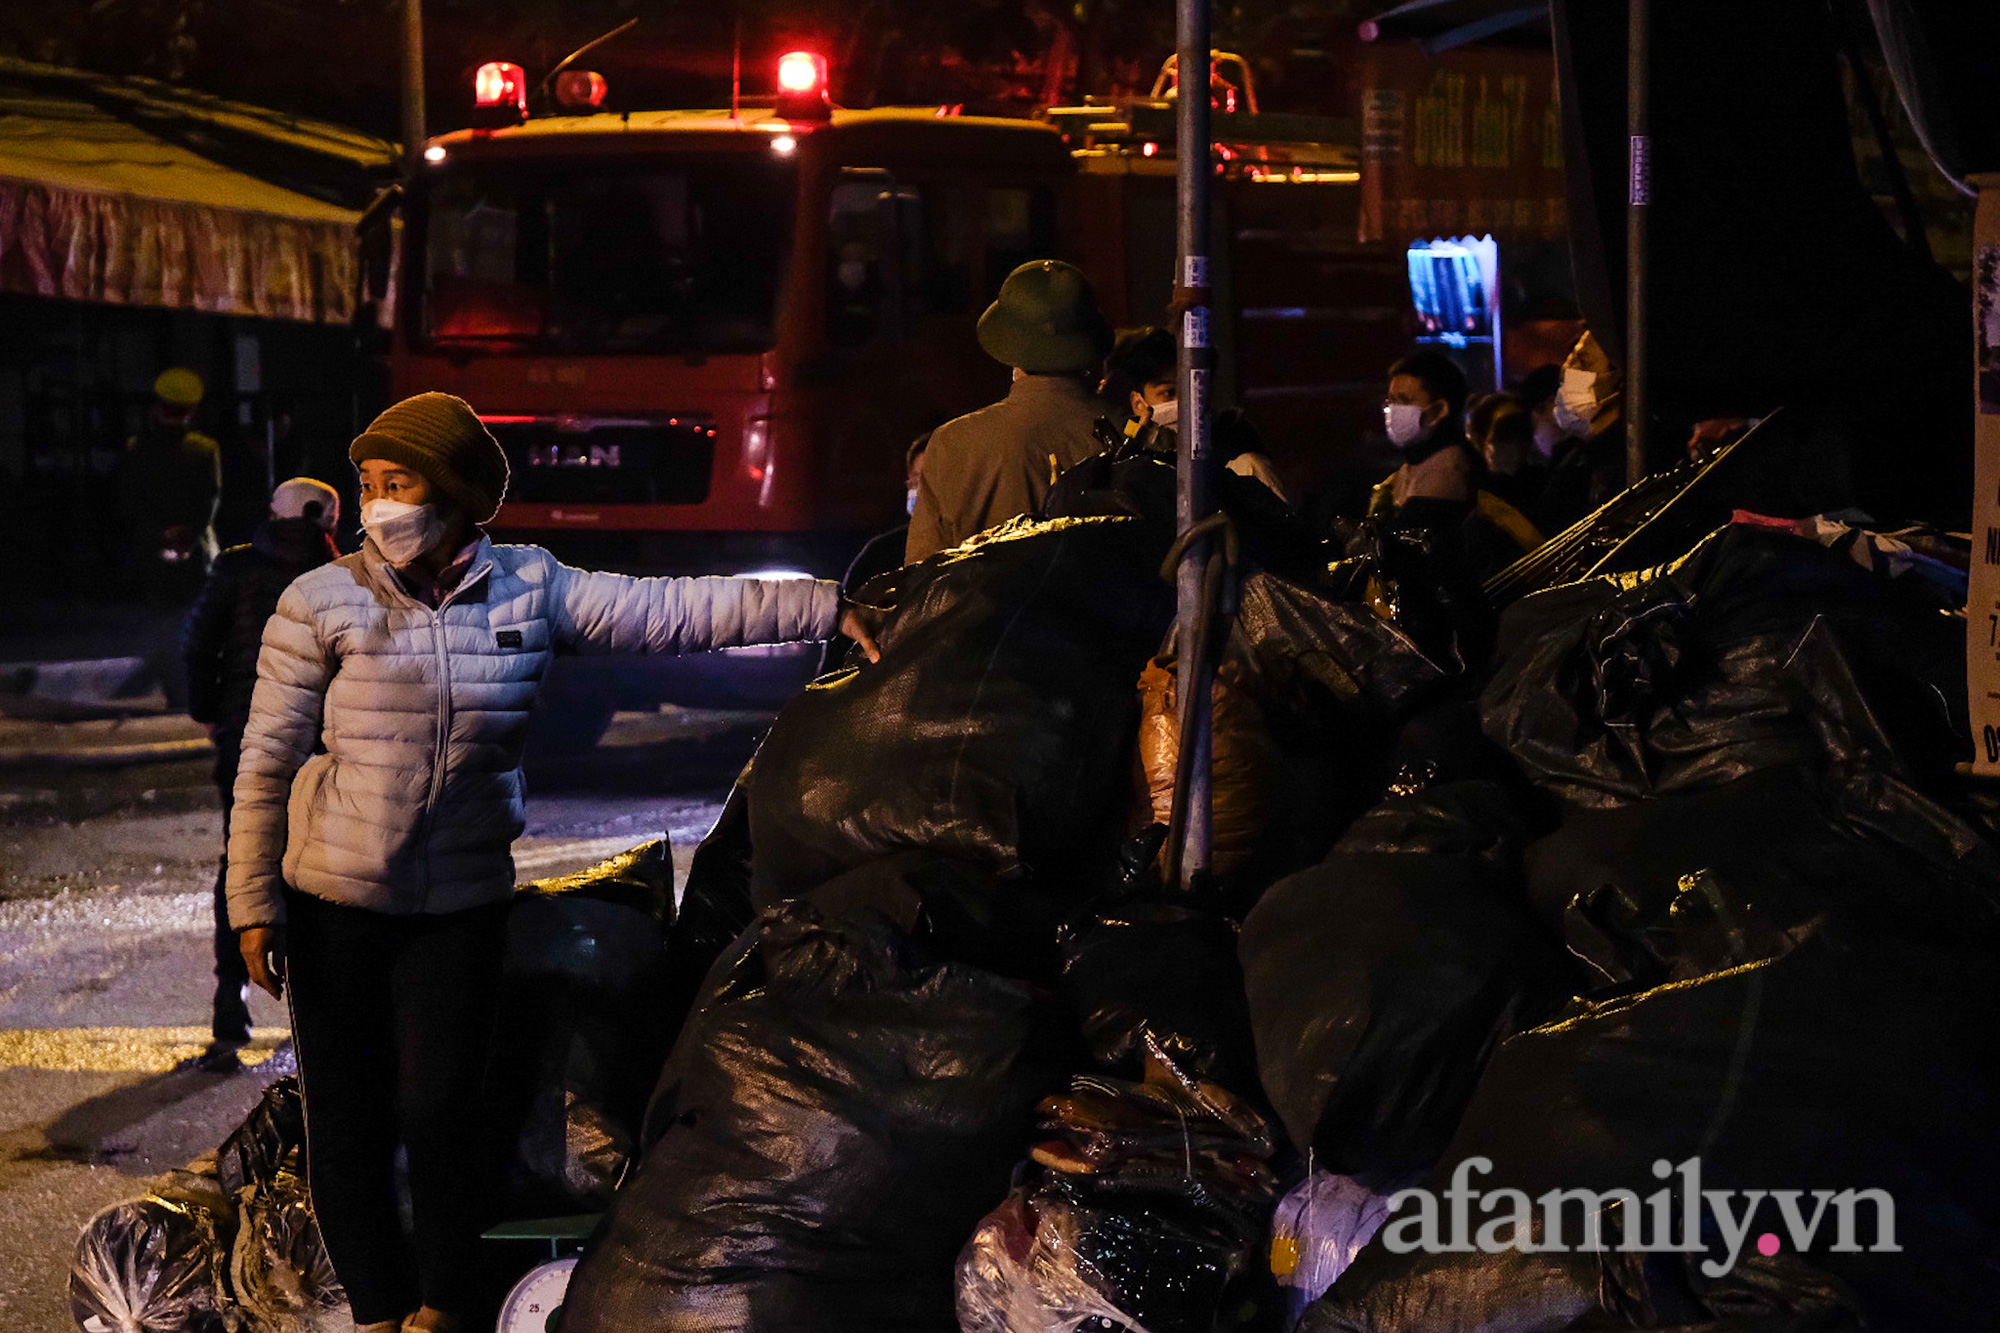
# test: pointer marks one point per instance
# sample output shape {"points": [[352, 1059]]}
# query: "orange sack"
{"points": [[1245, 758]]}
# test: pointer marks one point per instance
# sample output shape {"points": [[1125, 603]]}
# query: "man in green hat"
{"points": [[998, 463]]}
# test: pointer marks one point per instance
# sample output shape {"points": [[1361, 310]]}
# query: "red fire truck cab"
{"points": [[706, 341]]}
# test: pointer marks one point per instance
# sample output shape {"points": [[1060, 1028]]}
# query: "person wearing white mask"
{"points": [[1589, 467], [1536, 393], [377, 798], [1439, 486], [1139, 382]]}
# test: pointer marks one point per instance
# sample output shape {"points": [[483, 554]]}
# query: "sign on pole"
{"points": [[1982, 605]]}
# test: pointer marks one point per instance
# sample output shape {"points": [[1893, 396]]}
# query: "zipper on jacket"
{"points": [[439, 753]]}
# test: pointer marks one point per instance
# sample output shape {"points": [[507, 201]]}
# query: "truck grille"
{"points": [[607, 460]]}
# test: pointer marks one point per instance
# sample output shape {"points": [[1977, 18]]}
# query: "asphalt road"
{"points": [[105, 883]]}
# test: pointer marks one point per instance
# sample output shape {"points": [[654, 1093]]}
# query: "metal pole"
{"points": [[1194, 465], [1638, 128], [414, 122]]}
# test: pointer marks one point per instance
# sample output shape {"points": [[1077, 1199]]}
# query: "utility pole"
{"points": [[1639, 198], [414, 122], [1194, 464]]}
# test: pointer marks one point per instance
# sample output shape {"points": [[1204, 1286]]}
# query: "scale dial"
{"points": [[536, 1300]]}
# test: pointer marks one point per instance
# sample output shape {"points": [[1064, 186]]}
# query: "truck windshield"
{"points": [[587, 257]]}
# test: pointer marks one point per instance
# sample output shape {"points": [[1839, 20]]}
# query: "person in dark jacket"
{"points": [[169, 485], [882, 552], [1589, 467], [223, 635], [1503, 433], [1440, 488]]}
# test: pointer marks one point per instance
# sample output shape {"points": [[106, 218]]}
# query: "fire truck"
{"points": [[706, 338]]}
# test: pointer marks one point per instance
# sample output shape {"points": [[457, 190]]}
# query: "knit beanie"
{"points": [[442, 440]]}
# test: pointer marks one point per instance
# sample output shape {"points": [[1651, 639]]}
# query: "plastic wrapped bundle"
{"points": [[1151, 1216], [283, 1278], [151, 1265], [1051, 1260], [583, 1032]]}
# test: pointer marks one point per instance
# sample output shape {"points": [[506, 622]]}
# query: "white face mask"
{"points": [[1576, 402], [1167, 413], [1405, 424], [910, 501], [402, 532]]}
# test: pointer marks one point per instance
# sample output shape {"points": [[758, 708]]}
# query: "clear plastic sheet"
{"points": [[1021, 1273]]}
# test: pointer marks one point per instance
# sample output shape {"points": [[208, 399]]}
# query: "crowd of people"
{"points": [[370, 710], [1489, 478]]}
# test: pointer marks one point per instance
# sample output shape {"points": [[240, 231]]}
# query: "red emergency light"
{"points": [[581, 89], [801, 72], [802, 90], [499, 93]]}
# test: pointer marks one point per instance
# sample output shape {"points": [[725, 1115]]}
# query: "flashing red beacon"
{"points": [[802, 90], [500, 93], [581, 89]]}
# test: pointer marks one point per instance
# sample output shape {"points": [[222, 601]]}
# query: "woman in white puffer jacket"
{"points": [[373, 876]]}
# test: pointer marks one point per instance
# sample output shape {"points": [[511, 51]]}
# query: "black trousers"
{"points": [[391, 1018], [232, 976]]}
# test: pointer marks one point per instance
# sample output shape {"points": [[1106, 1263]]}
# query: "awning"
{"points": [[104, 197]]}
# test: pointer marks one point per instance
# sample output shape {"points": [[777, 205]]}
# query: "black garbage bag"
{"points": [[1380, 981], [839, 1111], [1757, 649], [283, 1279], [714, 905], [150, 1265], [997, 728], [580, 1036], [1153, 1212], [1625, 885], [1161, 975], [1308, 698], [1130, 480], [1851, 1053], [263, 1144]]}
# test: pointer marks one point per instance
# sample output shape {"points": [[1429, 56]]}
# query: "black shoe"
{"points": [[219, 1058]]}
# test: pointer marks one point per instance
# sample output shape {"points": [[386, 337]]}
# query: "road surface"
{"points": [[105, 880]]}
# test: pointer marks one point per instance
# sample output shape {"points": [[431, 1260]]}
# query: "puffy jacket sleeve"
{"points": [[205, 640], [293, 671], [615, 613]]}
